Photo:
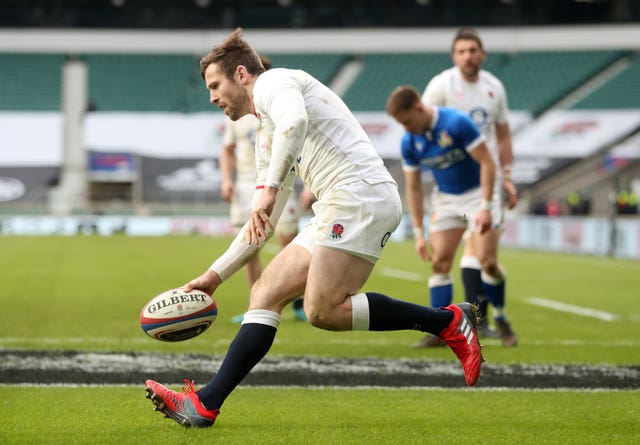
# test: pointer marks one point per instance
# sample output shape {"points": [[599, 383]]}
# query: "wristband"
{"points": [[485, 204], [506, 170], [418, 232]]}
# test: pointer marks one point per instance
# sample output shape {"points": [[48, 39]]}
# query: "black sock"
{"points": [[388, 314], [252, 342], [474, 290]]}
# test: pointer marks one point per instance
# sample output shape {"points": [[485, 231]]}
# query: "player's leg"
{"points": [[286, 231], [443, 245], [343, 257], [471, 271], [470, 268], [494, 283], [333, 302], [253, 270], [281, 282], [238, 214]]}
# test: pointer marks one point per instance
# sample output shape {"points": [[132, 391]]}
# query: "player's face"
{"points": [[227, 93], [468, 57]]}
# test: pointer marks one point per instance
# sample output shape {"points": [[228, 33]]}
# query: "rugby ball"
{"points": [[176, 315]]}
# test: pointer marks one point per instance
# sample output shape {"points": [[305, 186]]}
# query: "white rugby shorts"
{"points": [[358, 218], [459, 211]]}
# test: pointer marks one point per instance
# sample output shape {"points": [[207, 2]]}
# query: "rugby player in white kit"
{"points": [[477, 92], [306, 130]]}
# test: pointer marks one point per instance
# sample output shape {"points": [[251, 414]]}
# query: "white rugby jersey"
{"points": [[485, 101], [242, 134], [306, 125]]}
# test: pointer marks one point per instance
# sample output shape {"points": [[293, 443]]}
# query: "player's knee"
{"points": [[319, 315], [318, 318], [441, 266], [493, 269]]}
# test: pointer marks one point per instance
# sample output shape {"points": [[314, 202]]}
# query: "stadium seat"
{"points": [[621, 91], [30, 82]]}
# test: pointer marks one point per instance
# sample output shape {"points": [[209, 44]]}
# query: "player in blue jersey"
{"points": [[448, 143]]}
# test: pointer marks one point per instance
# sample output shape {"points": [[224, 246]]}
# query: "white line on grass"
{"points": [[402, 274], [337, 388], [14, 342], [577, 310]]}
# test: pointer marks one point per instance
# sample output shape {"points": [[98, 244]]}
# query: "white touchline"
{"points": [[402, 274], [587, 312]]}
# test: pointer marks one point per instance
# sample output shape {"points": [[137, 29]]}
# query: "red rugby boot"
{"points": [[185, 407], [462, 338]]}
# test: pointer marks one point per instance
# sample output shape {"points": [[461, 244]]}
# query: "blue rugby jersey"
{"points": [[445, 151]]}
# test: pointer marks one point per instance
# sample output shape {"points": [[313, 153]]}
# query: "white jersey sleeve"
{"points": [[285, 107]]}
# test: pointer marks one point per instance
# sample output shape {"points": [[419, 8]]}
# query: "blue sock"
{"points": [[440, 290], [495, 290]]}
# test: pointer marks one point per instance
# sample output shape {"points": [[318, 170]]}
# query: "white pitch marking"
{"points": [[564, 307], [337, 388], [402, 274], [13, 342]]}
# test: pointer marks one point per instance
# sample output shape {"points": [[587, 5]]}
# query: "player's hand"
{"points": [[483, 221], [260, 224], [226, 190], [207, 282], [512, 193], [423, 249]]}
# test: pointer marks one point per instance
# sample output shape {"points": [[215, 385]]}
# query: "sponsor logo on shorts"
{"points": [[336, 231], [385, 238]]}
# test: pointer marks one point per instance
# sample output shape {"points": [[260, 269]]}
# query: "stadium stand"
{"points": [[622, 91], [383, 72], [30, 82], [143, 82], [323, 66], [172, 83], [534, 80], [537, 80]]}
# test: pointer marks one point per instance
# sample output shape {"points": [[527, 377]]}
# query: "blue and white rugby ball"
{"points": [[176, 315]]}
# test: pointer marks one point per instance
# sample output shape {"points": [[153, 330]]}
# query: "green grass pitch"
{"points": [[86, 293]]}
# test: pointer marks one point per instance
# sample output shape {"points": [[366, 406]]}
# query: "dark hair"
{"points": [[232, 52], [467, 34], [266, 62], [402, 98]]}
